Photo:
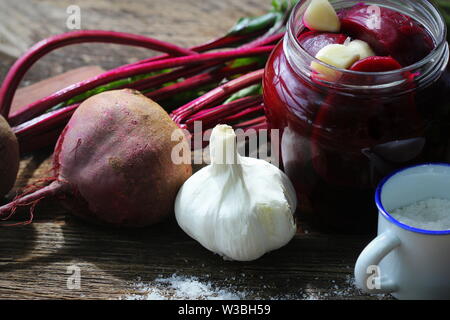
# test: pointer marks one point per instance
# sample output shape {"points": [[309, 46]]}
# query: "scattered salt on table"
{"points": [[183, 288], [178, 287]]}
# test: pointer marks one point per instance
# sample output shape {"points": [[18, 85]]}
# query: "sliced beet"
{"points": [[313, 41], [376, 64], [388, 32], [345, 127], [338, 132]]}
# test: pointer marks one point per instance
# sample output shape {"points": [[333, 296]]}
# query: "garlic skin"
{"points": [[237, 207]]}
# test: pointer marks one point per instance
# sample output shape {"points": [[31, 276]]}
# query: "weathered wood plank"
{"points": [[34, 261]]}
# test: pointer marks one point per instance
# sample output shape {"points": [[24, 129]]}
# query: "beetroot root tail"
{"points": [[30, 197]]}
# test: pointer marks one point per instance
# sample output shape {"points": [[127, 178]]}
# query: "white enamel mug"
{"points": [[408, 262]]}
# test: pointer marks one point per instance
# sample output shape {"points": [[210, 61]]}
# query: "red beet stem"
{"points": [[58, 118], [31, 199], [228, 108], [231, 120], [213, 116], [212, 45], [216, 44], [252, 122], [264, 41], [44, 104], [198, 81], [248, 112], [43, 47], [261, 125], [216, 95], [45, 129], [219, 43], [45, 121], [185, 72], [225, 41], [163, 78]]}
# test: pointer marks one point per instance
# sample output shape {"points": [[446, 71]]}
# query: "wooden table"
{"points": [[37, 260]]}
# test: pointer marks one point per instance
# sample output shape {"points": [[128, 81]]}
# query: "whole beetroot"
{"points": [[113, 162], [9, 157]]}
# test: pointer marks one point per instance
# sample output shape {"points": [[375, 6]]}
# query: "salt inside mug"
{"points": [[430, 214], [405, 260]]}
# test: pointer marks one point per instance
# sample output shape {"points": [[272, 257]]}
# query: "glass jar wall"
{"points": [[340, 137]]}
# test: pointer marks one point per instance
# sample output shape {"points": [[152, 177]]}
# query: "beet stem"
{"points": [[213, 116], [44, 104], [161, 79], [198, 81], [220, 43], [244, 113], [189, 71], [264, 41], [45, 121], [56, 118], [216, 95], [23, 64], [257, 121], [49, 124]]}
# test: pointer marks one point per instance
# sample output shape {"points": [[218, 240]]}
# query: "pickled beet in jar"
{"points": [[339, 137]]}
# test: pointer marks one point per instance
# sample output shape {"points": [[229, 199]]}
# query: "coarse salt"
{"points": [[432, 214], [183, 288], [179, 287]]}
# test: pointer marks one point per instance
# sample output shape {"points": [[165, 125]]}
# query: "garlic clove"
{"points": [[336, 55], [361, 48], [321, 16]]}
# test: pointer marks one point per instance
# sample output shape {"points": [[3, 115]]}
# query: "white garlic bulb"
{"points": [[237, 207]]}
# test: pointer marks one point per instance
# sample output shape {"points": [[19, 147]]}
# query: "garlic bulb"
{"points": [[237, 207]]}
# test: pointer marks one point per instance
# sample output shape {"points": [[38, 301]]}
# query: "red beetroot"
{"points": [[313, 41], [113, 162], [376, 64], [388, 32], [9, 157]]}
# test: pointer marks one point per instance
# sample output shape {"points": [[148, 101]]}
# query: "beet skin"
{"points": [[9, 157]]}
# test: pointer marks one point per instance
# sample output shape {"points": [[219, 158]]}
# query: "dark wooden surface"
{"points": [[34, 259]]}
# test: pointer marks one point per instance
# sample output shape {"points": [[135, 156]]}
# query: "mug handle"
{"points": [[371, 256]]}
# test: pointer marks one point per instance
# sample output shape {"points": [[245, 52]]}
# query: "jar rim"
{"points": [[434, 52]]}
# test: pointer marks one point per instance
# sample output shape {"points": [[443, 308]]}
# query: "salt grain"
{"points": [[430, 214], [182, 288], [178, 287]]}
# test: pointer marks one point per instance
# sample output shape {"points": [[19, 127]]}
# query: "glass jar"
{"points": [[338, 139]]}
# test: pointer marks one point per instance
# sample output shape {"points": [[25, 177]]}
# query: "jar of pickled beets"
{"points": [[342, 132]]}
